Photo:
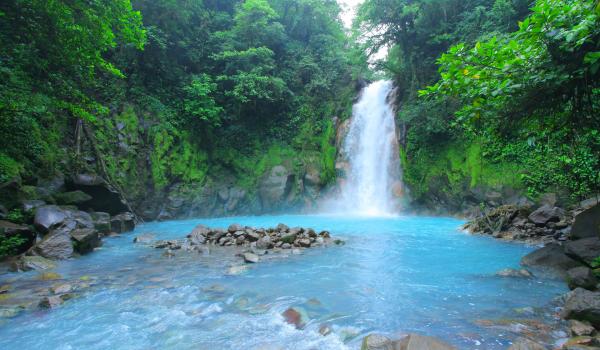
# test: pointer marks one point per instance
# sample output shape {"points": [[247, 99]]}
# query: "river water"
{"points": [[394, 275]]}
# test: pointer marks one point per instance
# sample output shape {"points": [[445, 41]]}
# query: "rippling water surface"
{"points": [[393, 276]]}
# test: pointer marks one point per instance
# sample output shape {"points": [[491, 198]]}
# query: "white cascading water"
{"points": [[371, 150]]}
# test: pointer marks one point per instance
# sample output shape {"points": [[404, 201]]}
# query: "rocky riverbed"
{"points": [[571, 249]]}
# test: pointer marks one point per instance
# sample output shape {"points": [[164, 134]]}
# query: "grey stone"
{"points": [[86, 240], [420, 342], [582, 305], [48, 217], [251, 258], [587, 223], [526, 344], [27, 263], [579, 328], [585, 250], [551, 256], [545, 214], [264, 243], [581, 276], [56, 245], [101, 221]]}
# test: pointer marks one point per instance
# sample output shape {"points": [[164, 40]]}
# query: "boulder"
{"points": [[80, 218], [48, 217], [9, 230], [72, 197], [251, 258], [420, 342], [101, 221], [123, 222], [585, 250], [526, 344], [51, 302], [377, 342], [295, 316], [28, 263], [304, 242], [587, 223], [85, 240], [56, 245], [551, 256], [198, 235], [545, 214], [578, 328], [274, 187], [282, 227], [582, 305], [581, 276], [144, 238], [235, 227], [264, 243]]}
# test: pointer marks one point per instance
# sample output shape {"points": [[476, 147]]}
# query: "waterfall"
{"points": [[370, 149]]}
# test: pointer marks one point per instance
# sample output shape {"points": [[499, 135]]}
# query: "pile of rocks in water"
{"points": [[61, 232], [545, 224], [259, 240]]}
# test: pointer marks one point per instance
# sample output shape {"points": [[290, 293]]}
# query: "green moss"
{"points": [[328, 153], [453, 167], [9, 168]]}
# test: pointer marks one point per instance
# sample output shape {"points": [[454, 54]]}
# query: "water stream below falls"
{"points": [[394, 275]]}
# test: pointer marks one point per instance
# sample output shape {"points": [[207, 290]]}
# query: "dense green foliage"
{"points": [[169, 91], [518, 85]]}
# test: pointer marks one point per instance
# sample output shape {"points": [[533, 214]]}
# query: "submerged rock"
{"points": [[295, 316], [377, 342], [520, 273], [144, 238], [28, 263], [526, 344]]}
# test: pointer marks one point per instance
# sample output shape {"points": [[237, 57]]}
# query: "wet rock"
{"points": [[61, 288], [56, 245], [295, 316], [587, 222], [377, 342], [28, 263], [282, 228], [9, 230], [580, 343], [551, 256], [545, 214], [235, 227], [85, 240], [585, 250], [51, 302], [579, 328], [252, 236], [581, 276], [286, 246], [73, 197], [198, 235], [101, 221], [526, 344], [144, 238], [583, 305], [305, 243], [264, 243], [517, 273], [48, 276], [123, 222], [48, 217], [237, 269], [251, 258], [325, 330], [420, 342]]}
